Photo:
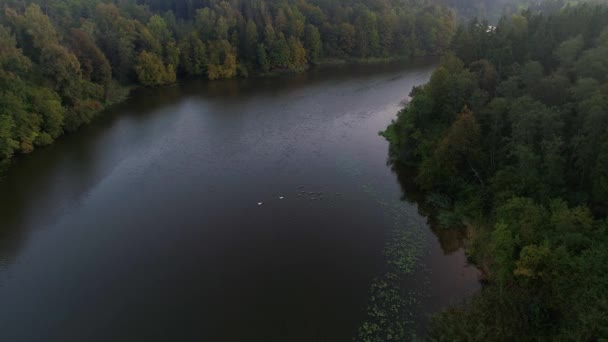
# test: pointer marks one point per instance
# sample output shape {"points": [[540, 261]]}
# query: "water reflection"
{"points": [[452, 240]]}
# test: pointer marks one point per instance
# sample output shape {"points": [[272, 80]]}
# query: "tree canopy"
{"points": [[513, 129]]}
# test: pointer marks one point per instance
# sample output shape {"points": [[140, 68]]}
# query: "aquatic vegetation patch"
{"points": [[394, 305]]}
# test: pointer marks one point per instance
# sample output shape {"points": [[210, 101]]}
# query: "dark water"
{"points": [[146, 226]]}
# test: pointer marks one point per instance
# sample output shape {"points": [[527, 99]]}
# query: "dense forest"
{"points": [[61, 62], [493, 10], [510, 141]]}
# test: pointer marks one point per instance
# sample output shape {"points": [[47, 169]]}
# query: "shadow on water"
{"points": [[406, 296], [451, 240], [425, 266], [39, 185]]}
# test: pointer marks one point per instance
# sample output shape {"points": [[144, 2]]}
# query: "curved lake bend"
{"points": [[146, 226]]}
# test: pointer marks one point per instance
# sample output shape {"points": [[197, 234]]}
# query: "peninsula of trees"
{"points": [[510, 139]]}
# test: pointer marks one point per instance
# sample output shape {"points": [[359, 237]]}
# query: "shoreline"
{"points": [[123, 92]]}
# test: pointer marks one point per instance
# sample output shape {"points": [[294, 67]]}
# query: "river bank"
{"points": [[118, 93]]}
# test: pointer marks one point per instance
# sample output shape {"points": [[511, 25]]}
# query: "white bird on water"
{"points": [[259, 203], [281, 197]]}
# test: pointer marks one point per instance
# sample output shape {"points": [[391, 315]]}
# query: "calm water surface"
{"points": [[146, 226]]}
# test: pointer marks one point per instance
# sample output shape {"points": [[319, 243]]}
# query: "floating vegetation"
{"points": [[393, 307], [387, 302]]}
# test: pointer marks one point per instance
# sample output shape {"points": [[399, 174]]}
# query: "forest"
{"points": [[510, 142], [62, 62], [493, 10]]}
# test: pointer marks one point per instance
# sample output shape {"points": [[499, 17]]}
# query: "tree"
{"points": [[600, 173], [8, 144], [533, 263], [463, 45], [280, 21], [280, 52], [297, 54], [486, 74], [531, 74], [47, 104], [312, 43], [346, 39], [193, 55], [37, 25], [263, 62], [569, 50], [151, 71], [460, 147], [12, 59], [222, 60], [251, 39], [93, 63], [205, 22], [63, 68], [593, 63], [504, 250], [158, 28]]}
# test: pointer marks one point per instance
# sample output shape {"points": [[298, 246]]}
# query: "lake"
{"points": [[240, 210]]}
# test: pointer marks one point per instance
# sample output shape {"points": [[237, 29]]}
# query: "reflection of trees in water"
{"points": [[451, 240], [393, 312], [38, 187]]}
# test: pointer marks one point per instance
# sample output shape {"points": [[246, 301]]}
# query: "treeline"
{"points": [[493, 10], [63, 61], [510, 139]]}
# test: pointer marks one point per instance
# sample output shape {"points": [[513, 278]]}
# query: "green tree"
{"points": [[297, 54], [280, 52], [504, 251], [460, 147], [47, 104], [151, 71], [222, 60], [251, 39], [263, 62], [313, 43], [569, 50], [8, 144], [193, 55], [347, 38], [158, 28], [600, 173]]}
